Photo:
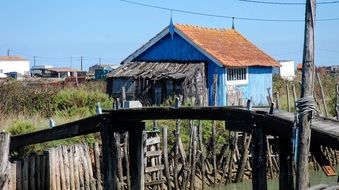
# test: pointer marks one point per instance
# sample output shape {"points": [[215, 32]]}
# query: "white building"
{"points": [[287, 69], [14, 64]]}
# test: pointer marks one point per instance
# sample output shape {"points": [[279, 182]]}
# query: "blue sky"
{"points": [[55, 30]]}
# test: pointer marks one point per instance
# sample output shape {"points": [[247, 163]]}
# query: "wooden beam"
{"points": [[285, 164], [259, 175], [136, 147], [81, 127], [302, 175]]}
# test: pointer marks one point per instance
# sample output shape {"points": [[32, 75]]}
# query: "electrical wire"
{"points": [[287, 3], [224, 16]]}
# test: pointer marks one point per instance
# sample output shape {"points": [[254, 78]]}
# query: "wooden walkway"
{"points": [[325, 131]]}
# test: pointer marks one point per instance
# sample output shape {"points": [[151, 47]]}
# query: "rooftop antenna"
{"points": [[233, 23], [171, 27]]}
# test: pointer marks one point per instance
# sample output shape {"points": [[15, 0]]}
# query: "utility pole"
{"points": [[34, 60], [302, 180], [81, 62], [8, 52], [99, 60]]}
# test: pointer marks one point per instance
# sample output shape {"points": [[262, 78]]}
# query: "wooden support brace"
{"points": [[259, 176]]}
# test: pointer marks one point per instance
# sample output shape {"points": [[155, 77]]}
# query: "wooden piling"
{"points": [[109, 157], [302, 174], [285, 164], [259, 176], [136, 145]]}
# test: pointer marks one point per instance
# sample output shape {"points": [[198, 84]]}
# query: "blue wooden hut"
{"points": [[243, 70]]}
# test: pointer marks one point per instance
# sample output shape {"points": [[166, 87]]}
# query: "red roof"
{"points": [[12, 58], [227, 46], [300, 66]]}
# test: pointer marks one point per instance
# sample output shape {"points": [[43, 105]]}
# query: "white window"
{"points": [[237, 76]]}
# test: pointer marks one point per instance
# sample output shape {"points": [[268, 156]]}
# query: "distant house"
{"points": [[14, 64], [100, 70], [50, 72], [286, 71], [243, 70]]}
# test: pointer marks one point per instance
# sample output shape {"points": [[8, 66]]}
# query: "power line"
{"points": [[224, 16], [287, 3]]}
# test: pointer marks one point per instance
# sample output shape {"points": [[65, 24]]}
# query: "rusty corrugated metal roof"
{"points": [[227, 46], [156, 70]]}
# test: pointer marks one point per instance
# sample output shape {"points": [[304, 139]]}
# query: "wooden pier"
{"points": [[257, 122]]}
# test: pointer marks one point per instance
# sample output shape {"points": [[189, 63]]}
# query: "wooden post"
{"points": [[302, 177], [277, 101], [269, 97], [214, 159], [123, 96], [259, 176], [109, 157], [176, 148], [127, 166], [294, 95], [97, 166], [193, 161], [322, 95], [136, 147], [165, 152], [285, 164], [337, 101], [288, 98], [5, 165], [202, 156], [245, 153]]}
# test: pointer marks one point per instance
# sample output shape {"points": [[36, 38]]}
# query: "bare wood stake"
{"points": [[277, 100], [127, 158], [322, 95], [214, 158], [97, 165], [202, 157], [244, 158], [288, 98], [165, 153], [302, 180], [294, 95], [5, 166], [193, 163], [176, 152], [337, 101]]}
